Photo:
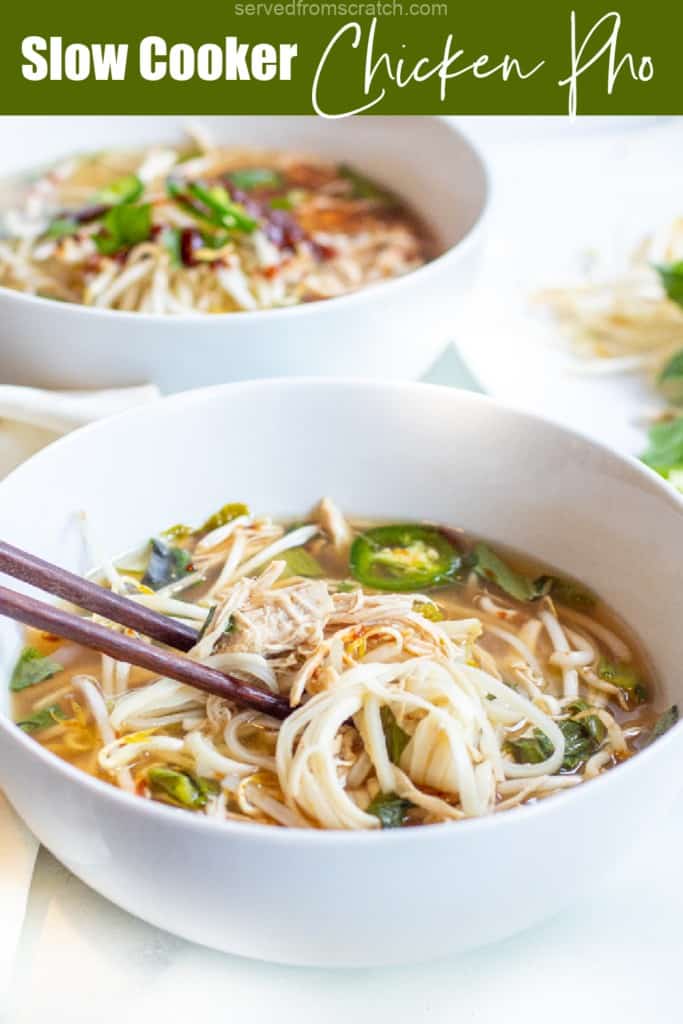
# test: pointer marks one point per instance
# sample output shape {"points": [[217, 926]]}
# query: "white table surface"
{"points": [[615, 958], [572, 200]]}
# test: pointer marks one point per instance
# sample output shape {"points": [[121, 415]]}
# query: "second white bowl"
{"points": [[394, 329]]}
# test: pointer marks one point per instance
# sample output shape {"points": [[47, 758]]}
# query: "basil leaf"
{"points": [[595, 728], [490, 567], [625, 678], [42, 719], [32, 668], [223, 516], [123, 190], [180, 788], [362, 187], [671, 277], [390, 809], [665, 722], [396, 738], [576, 706], [300, 562], [530, 749], [582, 738], [565, 592], [578, 744], [123, 226], [248, 178], [166, 564]]}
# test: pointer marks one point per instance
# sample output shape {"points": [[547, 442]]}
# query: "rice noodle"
{"points": [[316, 231], [451, 706], [614, 644], [560, 643]]}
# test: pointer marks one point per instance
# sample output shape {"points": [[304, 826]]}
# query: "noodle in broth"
{"points": [[202, 228], [431, 678]]}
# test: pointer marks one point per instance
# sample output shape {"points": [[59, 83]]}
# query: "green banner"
{"points": [[339, 58]]}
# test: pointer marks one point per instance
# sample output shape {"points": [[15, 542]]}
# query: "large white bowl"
{"points": [[412, 451], [394, 329]]}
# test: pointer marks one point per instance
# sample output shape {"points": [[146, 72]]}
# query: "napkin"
{"points": [[30, 418]]}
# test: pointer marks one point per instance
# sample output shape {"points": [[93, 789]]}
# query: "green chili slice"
{"points": [[403, 557], [211, 204]]}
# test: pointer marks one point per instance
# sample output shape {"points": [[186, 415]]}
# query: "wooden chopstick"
{"points": [[23, 608], [54, 580]]}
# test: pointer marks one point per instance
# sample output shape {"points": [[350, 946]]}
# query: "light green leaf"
{"points": [[397, 739], [123, 226], [42, 719], [300, 562], [671, 276], [490, 567], [32, 668]]}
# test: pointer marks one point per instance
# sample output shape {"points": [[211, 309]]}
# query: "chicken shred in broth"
{"points": [[203, 228], [431, 679]]}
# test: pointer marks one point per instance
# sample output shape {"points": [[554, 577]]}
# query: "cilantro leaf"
{"points": [[123, 226], [671, 276], [665, 451], [670, 379]]}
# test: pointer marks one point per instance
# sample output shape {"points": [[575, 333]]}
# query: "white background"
{"points": [[616, 957]]}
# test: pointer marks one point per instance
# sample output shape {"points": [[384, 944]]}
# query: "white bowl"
{"points": [[394, 329], [395, 450]]}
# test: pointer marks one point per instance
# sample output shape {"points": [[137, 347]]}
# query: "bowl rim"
{"points": [[252, 831], [463, 243]]}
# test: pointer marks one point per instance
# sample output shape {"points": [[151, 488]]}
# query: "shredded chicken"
{"points": [[277, 620], [405, 707], [335, 526]]}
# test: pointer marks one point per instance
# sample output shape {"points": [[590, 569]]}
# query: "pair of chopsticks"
{"points": [[64, 584]]}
